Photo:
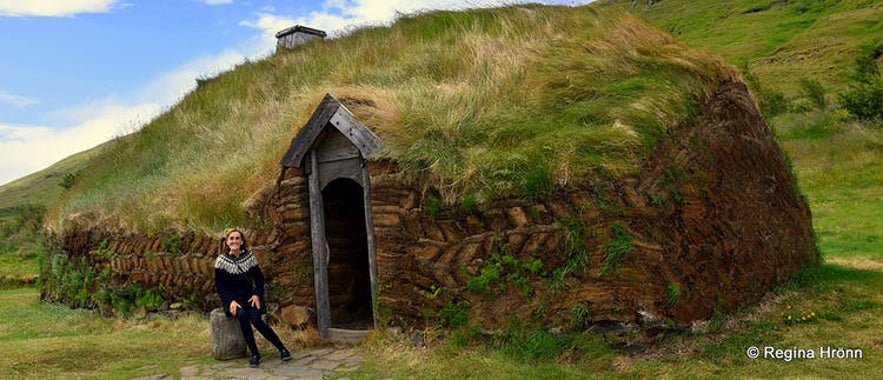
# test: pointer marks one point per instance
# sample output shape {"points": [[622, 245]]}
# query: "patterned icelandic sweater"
{"points": [[237, 279]]}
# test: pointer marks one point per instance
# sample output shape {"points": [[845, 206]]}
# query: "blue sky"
{"points": [[76, 73]]}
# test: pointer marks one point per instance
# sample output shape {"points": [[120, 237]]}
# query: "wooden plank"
{"points": [[302, 143], [329, 171], [330, 112], [366, 141], [335, 146], [372, 244], [317, 238]]}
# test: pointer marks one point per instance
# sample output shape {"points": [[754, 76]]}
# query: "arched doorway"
{"points": [[332, 149], [349, 280]]}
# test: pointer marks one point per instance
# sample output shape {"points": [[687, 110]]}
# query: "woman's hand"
{"points": [[255, 301], [233, 306]]}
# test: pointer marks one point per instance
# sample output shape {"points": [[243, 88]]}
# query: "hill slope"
{"points": [[779, 41], [481, 104], [44, 187]]}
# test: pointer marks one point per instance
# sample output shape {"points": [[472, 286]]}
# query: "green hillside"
{"points": [[788, 46], [45, 186], [779, 41]]}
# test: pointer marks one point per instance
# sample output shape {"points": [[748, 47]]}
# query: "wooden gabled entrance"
{"points": [[331, 149]]}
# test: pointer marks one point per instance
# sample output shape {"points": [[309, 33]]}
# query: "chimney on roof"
{"points": [[290, 38]]}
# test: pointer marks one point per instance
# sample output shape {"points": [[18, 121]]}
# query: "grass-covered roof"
{"points": [[481, 103]]}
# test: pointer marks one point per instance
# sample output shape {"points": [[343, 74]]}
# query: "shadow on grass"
{"points": [[825, 276]]}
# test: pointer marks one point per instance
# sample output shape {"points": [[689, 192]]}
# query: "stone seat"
{"points": [[227, 340]]}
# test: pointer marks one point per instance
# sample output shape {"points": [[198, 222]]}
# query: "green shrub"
{"points": [[68, 181], [800, 106], [556, 278], [171, 243], [864, 95], [504, 271], [483, 281], [574, 247], [454, 314], [531, 345], [866, 66], [814, 91], [864, 100], [145, 297], [30, 217]]}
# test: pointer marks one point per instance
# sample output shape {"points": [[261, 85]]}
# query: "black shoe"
{"points": [[286, 356], [255, 361]]}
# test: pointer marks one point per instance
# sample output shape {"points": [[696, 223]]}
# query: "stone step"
{"points": [[345, 335]]}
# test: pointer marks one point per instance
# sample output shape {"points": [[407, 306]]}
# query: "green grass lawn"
{"points": [[42, 340], [18, 262], [842, 305]]}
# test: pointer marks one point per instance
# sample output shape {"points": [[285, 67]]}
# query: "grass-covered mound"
{"points": [[638, 175], [480, 103]]}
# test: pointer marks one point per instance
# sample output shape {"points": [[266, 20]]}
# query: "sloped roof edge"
{"points": [[330, 112], [302, 29]]}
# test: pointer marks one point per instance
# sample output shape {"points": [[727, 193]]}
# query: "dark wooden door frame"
{"points": [[332, 116], [320, 244]]}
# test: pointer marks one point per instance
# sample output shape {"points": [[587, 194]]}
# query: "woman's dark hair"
{"points": [[227, 234]]}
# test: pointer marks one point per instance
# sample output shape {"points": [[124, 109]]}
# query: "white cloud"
{"points": [[17, 100], [169, 87], [53, 8], [26, 149], [337, 15], [269, 24]]}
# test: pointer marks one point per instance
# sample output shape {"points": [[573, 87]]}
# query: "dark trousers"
{"points": [[248, 316]]}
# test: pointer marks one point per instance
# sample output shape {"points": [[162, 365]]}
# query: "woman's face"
{"points": [[234, 241]]}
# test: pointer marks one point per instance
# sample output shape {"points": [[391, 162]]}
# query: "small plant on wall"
{"points": [[171, 244], [672, 294], [454, 313], [503, 271], [433, 206], [617, 249], [579, 317]]}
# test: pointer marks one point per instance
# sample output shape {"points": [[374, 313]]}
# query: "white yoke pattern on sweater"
{"points": [[233, 266]]}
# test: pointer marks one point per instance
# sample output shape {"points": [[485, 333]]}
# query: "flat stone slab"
{"points": [[340, 355], [347, 336], [298, 372], [325, 364], [315, 363]]}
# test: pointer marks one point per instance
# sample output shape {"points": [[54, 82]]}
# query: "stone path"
{"points": [[308, 364]]}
